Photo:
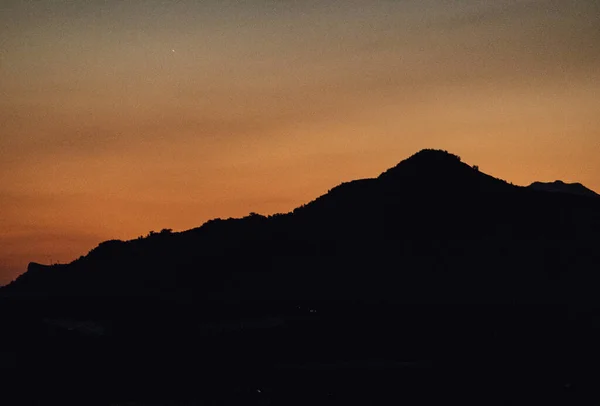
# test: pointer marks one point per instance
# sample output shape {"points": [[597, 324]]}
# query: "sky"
{"points": [[121, 117]]}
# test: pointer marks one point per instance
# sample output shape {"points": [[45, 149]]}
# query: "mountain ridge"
{"points": [[429, 218]]}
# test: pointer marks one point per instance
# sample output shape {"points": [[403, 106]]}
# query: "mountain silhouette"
{"points": [[432, 228], [431, 282], [559, 186]]}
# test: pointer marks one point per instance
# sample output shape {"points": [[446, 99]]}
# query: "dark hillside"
{"points": [[429, 283]]}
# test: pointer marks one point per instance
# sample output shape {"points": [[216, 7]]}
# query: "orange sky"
{"points": [[118, 118]]}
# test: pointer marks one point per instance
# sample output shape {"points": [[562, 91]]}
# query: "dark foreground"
{"points": [[146, 352]]}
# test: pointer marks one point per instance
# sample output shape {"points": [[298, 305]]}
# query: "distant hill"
{"points": [[431, 229], [559, 186]]}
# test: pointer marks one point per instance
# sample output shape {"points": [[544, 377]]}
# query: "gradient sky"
{"points": [[121, 117]]}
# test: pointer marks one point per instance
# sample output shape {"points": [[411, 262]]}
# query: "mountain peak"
{"points": [[442, 171], [432, 158], [558, 186], [426, 161], [435, 154]]}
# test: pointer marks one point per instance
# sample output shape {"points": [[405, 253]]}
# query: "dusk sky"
{"points": [[121, 117]]}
